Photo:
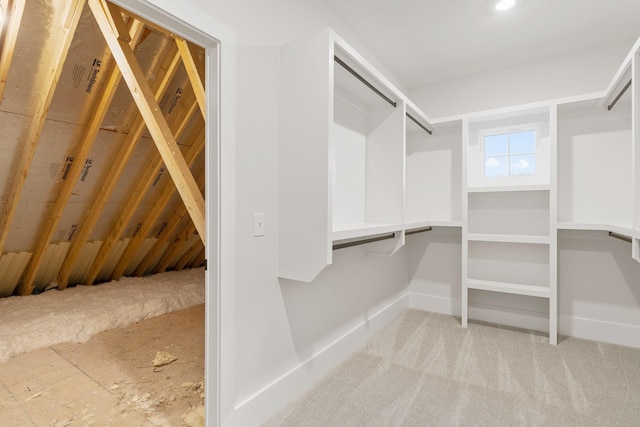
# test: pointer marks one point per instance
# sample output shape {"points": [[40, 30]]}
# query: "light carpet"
{"points": [[425, 370]]}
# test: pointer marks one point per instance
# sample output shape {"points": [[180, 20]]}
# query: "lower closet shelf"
{"points": [[509, 288]]}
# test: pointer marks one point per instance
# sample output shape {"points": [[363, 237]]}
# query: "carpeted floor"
{"points": [[425, 370]]}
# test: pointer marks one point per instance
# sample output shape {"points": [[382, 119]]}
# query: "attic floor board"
{"points": [[110, 380]]}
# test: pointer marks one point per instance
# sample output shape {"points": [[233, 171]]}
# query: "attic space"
{"points": [[88, 173]]}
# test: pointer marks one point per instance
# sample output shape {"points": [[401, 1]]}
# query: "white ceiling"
{"points": [[425, 41]]}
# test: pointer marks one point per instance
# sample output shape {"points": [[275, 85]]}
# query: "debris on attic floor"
{"points": [[110, 378], [86, 194]]}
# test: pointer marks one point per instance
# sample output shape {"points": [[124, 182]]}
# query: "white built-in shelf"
{"points": [[423, 224], [358, 230], [624, 230], [445, 223], [509, 238], [508, 188], [509, 288]]}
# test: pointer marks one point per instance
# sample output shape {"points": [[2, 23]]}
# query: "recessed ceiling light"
{"points": [[505, 4]]}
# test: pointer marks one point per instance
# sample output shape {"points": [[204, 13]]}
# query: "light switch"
{"points": [[258, 224]]}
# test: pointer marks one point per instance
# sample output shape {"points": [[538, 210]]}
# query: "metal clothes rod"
{"points": [[620, 237], [363, 80], [363, 242], [624, 89], [417, 230], [429, 131]]}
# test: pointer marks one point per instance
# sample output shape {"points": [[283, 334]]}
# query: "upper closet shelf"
{"points": [[623, 230], [353, 231]]}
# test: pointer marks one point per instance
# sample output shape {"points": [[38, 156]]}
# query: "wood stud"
{"points": [[135, 199], [8, 37], [25, 287], [148, 106], [165, 235], [113, 176], [192, 72], [152, 217], [48, 87]]}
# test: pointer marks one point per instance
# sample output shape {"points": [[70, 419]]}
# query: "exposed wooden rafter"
{"points": [[165, 235], [152, 217], [8, 36], [135, 199], [175, 248], [187, 256], [192, 72], [48, 86], [109, 185], [198, 260], [150, 111], [25, 286]]}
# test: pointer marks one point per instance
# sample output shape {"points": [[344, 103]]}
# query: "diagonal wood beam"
{"points": [[8, 36], [165, 235], [174, 249], [152, 217], [198, 259], [110, 183], [192, 72], [48, 87], [135, 200], [188, 256], [150, 111], [26, 284]]}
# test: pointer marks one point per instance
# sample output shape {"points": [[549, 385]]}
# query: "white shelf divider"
{"points": [[508, 188], [486, 215], [509, 288], [509, 238]]}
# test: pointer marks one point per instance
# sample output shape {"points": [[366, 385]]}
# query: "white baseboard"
{"points": [[261, 406], [598, 330], [432, 304], [589, 329], [483, 312]]}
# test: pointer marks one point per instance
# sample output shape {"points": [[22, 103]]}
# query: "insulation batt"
{"points": [[75, 314]]}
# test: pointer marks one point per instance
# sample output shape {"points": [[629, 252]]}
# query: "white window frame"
{"points": [[484, 135], [542, 173]]}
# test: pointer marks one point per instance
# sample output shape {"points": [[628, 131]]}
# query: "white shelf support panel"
{"points": [[553, 226], [509, 288], [465, 225], [635, 149]]}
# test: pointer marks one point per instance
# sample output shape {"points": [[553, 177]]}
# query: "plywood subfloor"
{"points": [[110, 380]]}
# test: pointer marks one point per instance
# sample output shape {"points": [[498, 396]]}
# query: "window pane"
{"points": [[495, 167], [496, 145], [523, 142], [523, 165]]}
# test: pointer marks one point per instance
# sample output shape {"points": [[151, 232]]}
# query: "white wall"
{"points": [[281, 324], [557, 77]]}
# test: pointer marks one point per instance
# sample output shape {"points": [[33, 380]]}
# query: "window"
{"points": [[510, 154]]}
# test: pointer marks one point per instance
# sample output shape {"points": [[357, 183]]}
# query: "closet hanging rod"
{"points": [[413, 119], [417, 230], [624, 89], [620, 237], [337, 246], [363, 80]]}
